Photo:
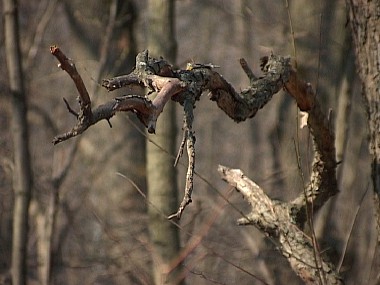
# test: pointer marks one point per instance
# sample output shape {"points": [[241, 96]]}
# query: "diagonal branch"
{"points": [[276, 220], [68, 65], [85, 117]]}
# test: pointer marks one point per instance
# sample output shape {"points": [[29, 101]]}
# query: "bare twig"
{"points": [[252, 77], [181, 147], [68, 65], [349, 234], [71, 110], [86, 117], [282, 221], [190, 142]]}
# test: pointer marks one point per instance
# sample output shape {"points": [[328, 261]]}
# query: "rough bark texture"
{"points": [[277, 220], [365, 23], [22, 178], [364, 18]]}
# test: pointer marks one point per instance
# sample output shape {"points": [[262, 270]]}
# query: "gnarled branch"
{"points": [[185, 86], [283, 221], [276, 220], [158, 76]]}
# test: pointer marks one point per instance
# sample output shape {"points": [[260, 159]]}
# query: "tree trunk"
{"points": [[161, 175], [365, 24], [365, 19], [22, 178]]}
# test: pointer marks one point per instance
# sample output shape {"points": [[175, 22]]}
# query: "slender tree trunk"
{"points": [[22, 178], [46, 219], [161, 175]]}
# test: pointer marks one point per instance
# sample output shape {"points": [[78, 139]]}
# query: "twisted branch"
{"points": [[186, 87]]}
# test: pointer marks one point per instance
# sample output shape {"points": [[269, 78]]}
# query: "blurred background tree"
{"points": [[99, 232], [161, 174], [22, 172]]}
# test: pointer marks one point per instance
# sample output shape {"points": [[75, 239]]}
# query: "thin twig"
{"points": [[248, 71], [181, 147], [340, 263], [86, 116], [190, 146], [68, 65], [71, 110]]}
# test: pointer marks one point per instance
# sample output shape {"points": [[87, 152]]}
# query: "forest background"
{"points": [[101, 231]]}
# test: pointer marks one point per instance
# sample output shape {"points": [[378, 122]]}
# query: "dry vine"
{"points": [[282, 221]]}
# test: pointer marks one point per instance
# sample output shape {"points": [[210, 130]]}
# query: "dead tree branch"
{"points": [[189, 140], [323, 182], [86, 116], [281, 220], [277, 220], [284, 221], [186, 87], [158, 76]]}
